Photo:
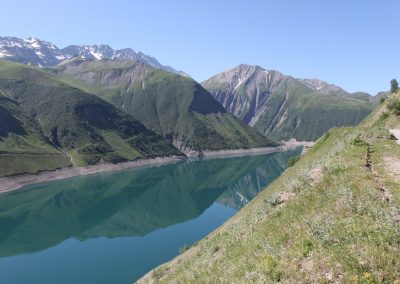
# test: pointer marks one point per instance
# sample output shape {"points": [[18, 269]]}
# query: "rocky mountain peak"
{"points": [[42, 53]]}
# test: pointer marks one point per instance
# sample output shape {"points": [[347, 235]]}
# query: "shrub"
{"points": [[184, 248], [394, 106], [358, 141], [307, 247], [159, 272], [274, 200], [272, 269], [293, 161], [394, 86], [384, 115]]}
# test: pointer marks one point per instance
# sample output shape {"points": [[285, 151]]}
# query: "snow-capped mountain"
{"points": [[30, 50], [38, 52]]}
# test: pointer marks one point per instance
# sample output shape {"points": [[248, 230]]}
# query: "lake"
{"points": [[114, 227]]}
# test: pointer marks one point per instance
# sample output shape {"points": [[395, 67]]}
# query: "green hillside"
{"points": [[69, 122], [307, 115], [283, 107], [173, 106], [332, 217], [23, 148]]}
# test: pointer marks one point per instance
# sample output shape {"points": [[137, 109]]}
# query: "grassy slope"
{"points": [[89, 129], [23, 148], [173, 106], [309, 115], [328, 218], [305, 115]]}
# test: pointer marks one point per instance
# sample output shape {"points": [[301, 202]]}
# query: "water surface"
{"points": [[114, 227]]}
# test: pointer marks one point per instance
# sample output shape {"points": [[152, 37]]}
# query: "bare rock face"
{"points": [[184, 148]]}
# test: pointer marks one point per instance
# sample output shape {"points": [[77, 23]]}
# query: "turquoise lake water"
{"points": [[115, 227]]}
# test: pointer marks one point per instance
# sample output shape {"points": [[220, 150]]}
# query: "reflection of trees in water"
{"points": [[129, 203]]}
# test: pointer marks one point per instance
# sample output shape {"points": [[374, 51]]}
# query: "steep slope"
{"points": [[38, 52], [81, 125], [332, 217], [283, 107], [173, 106], [23, 147]]}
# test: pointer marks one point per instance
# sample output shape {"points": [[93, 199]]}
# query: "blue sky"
{"points": [[352, 43]]}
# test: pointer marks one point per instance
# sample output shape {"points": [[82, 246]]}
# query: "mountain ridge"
{"points": [[68, 122], [282, 106], [42, 53], [175, 107]]}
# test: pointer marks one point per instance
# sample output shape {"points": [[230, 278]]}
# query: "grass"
{"points": [[174, 106], [12, 164], [40, 114], [288, 108], [327, 218]]}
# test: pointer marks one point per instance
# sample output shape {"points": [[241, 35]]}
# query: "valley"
{"points": [[116, 168]]}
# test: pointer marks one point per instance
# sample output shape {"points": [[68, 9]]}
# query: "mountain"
{"points": [[43, 116], [38, 52], [173, 106], [23, 147], [333, 217], [283, 107]]}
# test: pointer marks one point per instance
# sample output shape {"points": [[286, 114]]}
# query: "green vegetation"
{"points": [[308, 115], [332, 217], [293, 161], [394, 86], [394, 105], [173, 106], [41, 115], [282, 107], [23, 148]]}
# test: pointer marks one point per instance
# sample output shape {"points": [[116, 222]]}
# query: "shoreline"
{"points": [[16, 182], [256, 151], [12, 183]]}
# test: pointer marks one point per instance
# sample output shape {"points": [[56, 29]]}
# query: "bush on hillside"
{"points": [[394, 86], [384, 115], [394, 106], [293, 161], [358, 141]]}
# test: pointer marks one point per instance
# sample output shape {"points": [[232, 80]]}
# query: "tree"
{"points": [[394, 86]]}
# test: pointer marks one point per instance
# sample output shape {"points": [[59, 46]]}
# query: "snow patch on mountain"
{"points": [[38, 52]]}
